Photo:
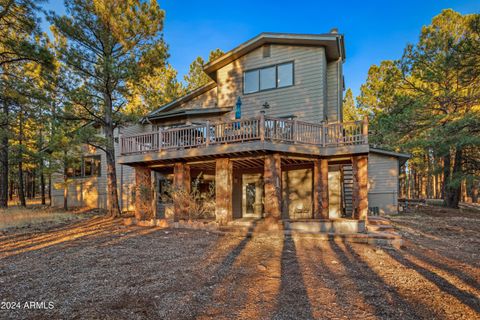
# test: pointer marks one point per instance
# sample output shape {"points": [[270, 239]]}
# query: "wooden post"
{"points": [[320, 189], [154, 194], [143, 194], [324, 135], [160, 139], [262, 126], [207, 133], [181, 183], [223, 191], [273, 185], [360, 187], [365, 130]]}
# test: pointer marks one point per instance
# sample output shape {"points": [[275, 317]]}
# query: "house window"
{"points": [[278, 76], [251, 81], [74, 168], [92, 166], [285, 75], [89, 166], [267, 78]]}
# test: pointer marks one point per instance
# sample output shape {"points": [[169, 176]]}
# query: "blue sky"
{"points": [[374, 30]]}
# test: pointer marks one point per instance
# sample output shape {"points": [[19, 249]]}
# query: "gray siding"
{"points": [[91, 192], [334, 91], [205, 100], [305, 98], [383, 183]]}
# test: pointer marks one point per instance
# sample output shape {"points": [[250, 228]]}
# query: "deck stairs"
{"points": [[347, 190]]}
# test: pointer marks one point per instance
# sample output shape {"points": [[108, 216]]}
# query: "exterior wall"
{"points": [[334, 91], [383, 183], [203, 101], [334, 192], [91, 191], [297, 193], [305, 99]]}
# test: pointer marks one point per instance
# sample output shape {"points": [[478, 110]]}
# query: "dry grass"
{"points": [[19, 217], [98, 269]]}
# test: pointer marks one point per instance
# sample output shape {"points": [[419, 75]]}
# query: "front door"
{"points": [[252, 195]]}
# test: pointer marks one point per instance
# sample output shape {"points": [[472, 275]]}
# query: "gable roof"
{"points": [[334, 49], [333, 43], [402, 157], [190, 112], [185, 98]]}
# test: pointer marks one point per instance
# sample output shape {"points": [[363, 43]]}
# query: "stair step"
{"points": [[381, 228]]}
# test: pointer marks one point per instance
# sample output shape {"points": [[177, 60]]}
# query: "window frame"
{"points": [[292, 62], [82, 160]]}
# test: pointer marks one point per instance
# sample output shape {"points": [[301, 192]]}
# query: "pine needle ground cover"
{"points": [[98, 268]]}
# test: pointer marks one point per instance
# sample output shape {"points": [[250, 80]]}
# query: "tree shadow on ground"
{"points": [[202, 300], [293, 301], [373, 288], [422, 256], [465, 297]]}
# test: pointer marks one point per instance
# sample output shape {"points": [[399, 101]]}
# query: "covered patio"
{"points": [[278, 186]]}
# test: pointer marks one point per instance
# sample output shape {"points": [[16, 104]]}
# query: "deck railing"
{"points": [[261, 128]]}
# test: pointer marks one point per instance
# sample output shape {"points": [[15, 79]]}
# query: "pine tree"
{"points": [[428, 103], [109, 44], [350, 111], [196, 77], [154, 89]]}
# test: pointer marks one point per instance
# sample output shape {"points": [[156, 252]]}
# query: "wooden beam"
{"points": [[360, 186], [181, 183], [143, 193], [273, 185], [320, 189], [223, 191]]}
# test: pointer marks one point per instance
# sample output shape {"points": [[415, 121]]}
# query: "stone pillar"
{"points": [[181, 185], [360, 187], [272, 178], [223, 191], [320, 189], [143, 193]]}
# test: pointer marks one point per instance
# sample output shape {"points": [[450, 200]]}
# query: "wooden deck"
{"points": [[261, 133]]}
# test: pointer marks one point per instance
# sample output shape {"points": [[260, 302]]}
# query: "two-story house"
{"points": [[267, 130]]}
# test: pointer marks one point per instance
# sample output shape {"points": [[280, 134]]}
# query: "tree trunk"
{"points": [[429, 176], [463, 191], [42, 182], [49, 189], [452, 187], [113, 208], [11, 190], [21, 187], [65, 182], [34, 187], [4, 159], [475, 191]]}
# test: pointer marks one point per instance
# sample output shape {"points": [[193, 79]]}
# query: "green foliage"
{"points": [[350, 111], [196, 77], [21, 40], [153, 90], [109, 46], [428, 102]]}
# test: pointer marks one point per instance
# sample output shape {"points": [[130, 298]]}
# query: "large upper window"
{"points": [[278, 76]]}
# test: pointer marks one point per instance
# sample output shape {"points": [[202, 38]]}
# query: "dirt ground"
{"points": [[98, 269]]}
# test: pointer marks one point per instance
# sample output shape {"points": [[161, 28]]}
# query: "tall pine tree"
{"points": [[109, 43]]}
